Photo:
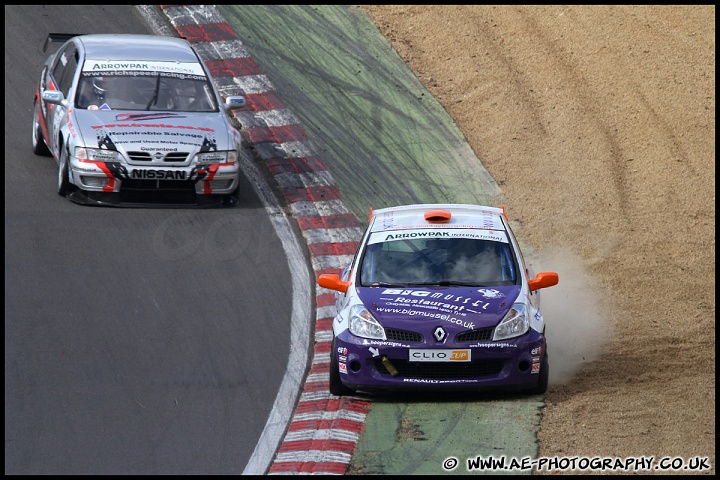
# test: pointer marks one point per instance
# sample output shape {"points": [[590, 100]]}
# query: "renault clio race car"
{"points": [[438, 297], [130, 117]]}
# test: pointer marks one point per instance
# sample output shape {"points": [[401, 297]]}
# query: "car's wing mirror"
{"points": [[234, 102], [333, 282], [55, 97], [543, 280]]}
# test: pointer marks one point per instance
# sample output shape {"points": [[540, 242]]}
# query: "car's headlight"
{"points": [[363, 324], [85, 154], [514, 324], [207, 158]]}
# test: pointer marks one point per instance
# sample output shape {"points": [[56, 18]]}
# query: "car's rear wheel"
{"points": [[336, 386], [64, 185], [543, 378], [38, 140]]}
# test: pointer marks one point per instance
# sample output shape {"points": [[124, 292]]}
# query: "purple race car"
{"points": [[438, 297]]}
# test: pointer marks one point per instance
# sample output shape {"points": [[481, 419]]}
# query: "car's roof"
{"points": [[437, 215], [137, 47]]}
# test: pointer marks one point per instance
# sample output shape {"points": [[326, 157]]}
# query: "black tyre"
{"points": [[336, 386], [64, 185], [543, 378], [233, 198], [38, 140]]}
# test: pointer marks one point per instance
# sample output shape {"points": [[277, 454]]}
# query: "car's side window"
{"points": [[64, 69]]}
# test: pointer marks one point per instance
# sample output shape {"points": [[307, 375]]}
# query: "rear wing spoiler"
{"points": [[59, 37]]}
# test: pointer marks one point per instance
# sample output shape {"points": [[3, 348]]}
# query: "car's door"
{"points": [[60, 77]]}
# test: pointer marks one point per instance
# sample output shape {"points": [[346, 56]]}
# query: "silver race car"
{"points": [[135, 120]]}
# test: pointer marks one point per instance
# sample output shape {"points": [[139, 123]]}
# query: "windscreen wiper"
{"points": [[443, 283], [383, 284], [154, 98]]}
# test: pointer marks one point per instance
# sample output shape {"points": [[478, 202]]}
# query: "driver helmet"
{"points": [[99, 87]]}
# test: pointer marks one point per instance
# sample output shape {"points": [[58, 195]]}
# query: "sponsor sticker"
{"points": [[159, 174], [424, 233], [192, 68], [439, 355], [491, 293]]}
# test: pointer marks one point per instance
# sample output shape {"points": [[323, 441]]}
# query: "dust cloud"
{"points": [[575, 325]]}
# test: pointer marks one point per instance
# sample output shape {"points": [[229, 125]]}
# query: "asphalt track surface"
{"points": [[384, 141], [137, 341]]}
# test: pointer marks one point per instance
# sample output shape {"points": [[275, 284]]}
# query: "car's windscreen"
{"points": [[163, 91], [465, 257]]}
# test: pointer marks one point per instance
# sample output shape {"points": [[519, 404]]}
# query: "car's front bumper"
{"points": [[114, 177], [154, 200], [504, 365]]}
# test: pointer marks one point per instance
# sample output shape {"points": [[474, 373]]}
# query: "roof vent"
{"points": [[437, 216]]}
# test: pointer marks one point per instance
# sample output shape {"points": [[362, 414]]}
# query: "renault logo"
{"points": [[439, 334]]}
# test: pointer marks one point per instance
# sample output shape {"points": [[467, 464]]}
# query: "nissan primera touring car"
{"points": [[438, 297], [127, 117]]}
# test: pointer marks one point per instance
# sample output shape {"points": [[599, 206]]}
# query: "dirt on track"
{"points": [[598, 123]]}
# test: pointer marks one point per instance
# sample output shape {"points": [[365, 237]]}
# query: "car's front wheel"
{"points": [[233, 198], [336, 386], [38, 140], [64, 186], [543, 378]]}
